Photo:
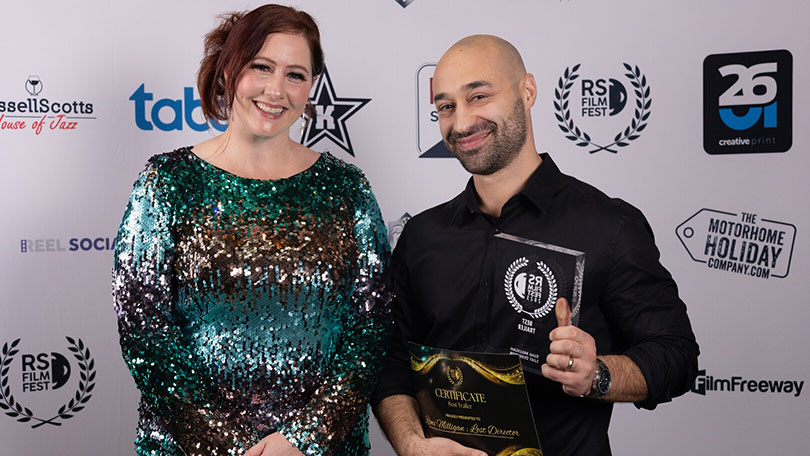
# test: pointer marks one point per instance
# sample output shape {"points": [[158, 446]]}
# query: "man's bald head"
{"points": [[482, 96], [490, 49]]}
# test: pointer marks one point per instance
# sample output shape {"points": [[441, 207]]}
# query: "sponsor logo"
{"points": [[748, 102], [739, 243], [25, 377], [33, 85], [531, 289], [42, 114], [395, 228], [332, 114], [404, 3], [600, 104], [170, 114], [707, 383], [429, 141], [53, 245]]}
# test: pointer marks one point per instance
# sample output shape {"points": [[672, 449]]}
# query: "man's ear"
{"points": [[528, 90]]}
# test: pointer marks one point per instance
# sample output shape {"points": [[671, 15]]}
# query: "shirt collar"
{"points": [[541, 187], [544, 183]]}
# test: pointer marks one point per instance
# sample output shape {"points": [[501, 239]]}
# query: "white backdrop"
{"points": [[66, 187]]}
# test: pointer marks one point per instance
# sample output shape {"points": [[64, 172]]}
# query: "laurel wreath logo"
{"points": [[455, 376], [551, 282], [23, 414], [623, 138]]}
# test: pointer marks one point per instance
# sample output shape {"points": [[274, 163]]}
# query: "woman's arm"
{"points": [[163, 368], [341, 401]]}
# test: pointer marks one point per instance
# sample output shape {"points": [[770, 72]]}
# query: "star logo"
{"points": [[332, 114]]}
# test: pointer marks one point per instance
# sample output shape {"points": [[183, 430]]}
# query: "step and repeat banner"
{"points": [[695, 112]]}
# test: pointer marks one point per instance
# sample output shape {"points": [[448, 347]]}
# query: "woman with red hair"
{"points": [[251, 274]]}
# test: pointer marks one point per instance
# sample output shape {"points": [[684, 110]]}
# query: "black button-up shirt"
{"points": [[444, 271]]}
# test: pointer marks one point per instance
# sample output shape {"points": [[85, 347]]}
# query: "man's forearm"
{"points": [[627, 382], [399, 420]]}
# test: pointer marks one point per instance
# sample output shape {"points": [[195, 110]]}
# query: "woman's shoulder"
{"points": [[166, 168], [170, 161], [343, 173]]}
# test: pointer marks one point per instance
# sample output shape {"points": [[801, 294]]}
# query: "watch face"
{"points": [[603, 379]]}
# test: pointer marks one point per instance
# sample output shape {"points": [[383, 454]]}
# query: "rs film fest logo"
{"points": [[743, 243], [748, 102], [40, 114], [603, 110], [45, 387], [530, 286]]}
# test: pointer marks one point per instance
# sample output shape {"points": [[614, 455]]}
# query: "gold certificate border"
{"points": [[511, 375], [515, 450]]}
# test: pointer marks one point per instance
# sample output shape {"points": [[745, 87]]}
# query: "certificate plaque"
{"points": [[477, 399], [529, 278]]}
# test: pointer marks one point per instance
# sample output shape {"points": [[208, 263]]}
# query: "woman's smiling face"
{"points": [[273, 88]]}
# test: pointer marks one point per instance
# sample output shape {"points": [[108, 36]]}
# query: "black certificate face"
{"points": [[530, 277], [477, 399]]}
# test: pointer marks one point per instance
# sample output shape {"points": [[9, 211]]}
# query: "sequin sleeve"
{"points": [[164, 370], [342, 400]]}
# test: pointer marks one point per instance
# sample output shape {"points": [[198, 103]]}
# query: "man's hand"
{"points": [[572, 358], [438, 446], [273, 445], [399, 420]]}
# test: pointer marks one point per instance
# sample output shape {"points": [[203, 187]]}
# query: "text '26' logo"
{"points": [[747, 102]]}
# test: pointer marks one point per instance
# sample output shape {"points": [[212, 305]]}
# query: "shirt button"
{"points": [[487, 283], [497, 231]]}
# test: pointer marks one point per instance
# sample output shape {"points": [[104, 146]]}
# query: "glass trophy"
{"points": [[530, 276], [477, 399]]}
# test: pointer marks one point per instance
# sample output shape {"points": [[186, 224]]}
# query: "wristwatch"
{"points": [[601, 381]]}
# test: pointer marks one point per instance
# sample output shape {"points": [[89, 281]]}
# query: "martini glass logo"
{"points": [[33, 85]]}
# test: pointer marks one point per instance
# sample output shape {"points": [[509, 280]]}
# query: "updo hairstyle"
{"points": [[236, 41]]}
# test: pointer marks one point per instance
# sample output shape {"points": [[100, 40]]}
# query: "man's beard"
{"points": [[507, 141]]}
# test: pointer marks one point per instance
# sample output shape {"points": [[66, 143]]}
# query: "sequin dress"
{"points": [[247, 307]]}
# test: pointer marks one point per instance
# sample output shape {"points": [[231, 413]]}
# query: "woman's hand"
{"points": [[274, 445]]}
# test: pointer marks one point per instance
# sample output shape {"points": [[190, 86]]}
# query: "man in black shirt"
{"points": [[634, 342]]}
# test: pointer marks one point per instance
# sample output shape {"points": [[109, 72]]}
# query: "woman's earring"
{"points": [[304, 122]]}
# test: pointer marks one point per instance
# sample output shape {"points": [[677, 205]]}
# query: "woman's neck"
{"points": [[256, 158]]}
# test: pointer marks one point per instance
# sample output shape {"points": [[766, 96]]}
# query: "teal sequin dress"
{"points": [[247, 307]]}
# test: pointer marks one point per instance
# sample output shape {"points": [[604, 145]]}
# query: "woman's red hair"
{"points": [[234, 43]]}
